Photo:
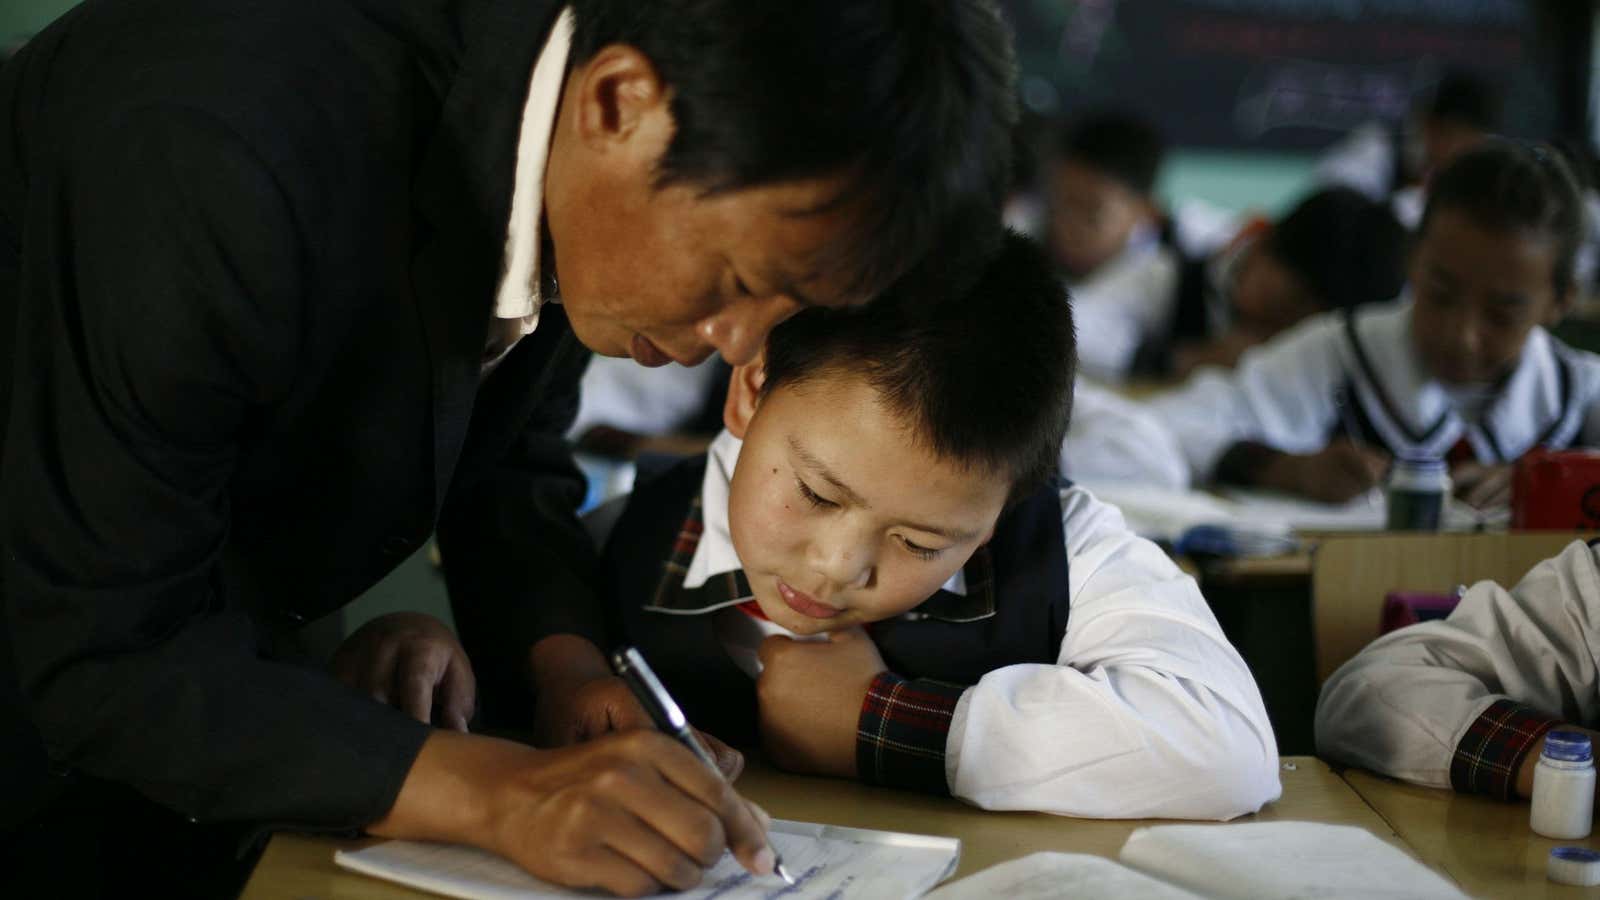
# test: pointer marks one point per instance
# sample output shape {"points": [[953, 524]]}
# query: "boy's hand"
{"points": [[1343, 471], [810, 695], [1481, 486], [629, 813], [580, 700], [412, 662]]}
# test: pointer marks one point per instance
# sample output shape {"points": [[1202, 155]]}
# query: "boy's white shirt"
{"points": [[1402, 705], [1125, 302], [1148, 712], [1283, 393]]}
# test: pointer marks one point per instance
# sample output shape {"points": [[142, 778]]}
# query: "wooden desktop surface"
{"points": [[302, 867], [1484, 845]]}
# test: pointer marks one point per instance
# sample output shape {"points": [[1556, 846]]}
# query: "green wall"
{"points": [[19, 18], [1264, 182]]}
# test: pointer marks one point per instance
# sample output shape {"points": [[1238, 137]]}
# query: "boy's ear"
{"points": [[744, 395]]}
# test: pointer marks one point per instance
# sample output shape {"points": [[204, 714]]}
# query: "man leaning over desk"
{"points": [[286, 285]]}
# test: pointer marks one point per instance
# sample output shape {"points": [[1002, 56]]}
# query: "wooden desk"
{"points": [[1483, 844], [302, 867]]}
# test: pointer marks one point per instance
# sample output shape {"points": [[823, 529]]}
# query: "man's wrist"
{"points": [[450, 791]]}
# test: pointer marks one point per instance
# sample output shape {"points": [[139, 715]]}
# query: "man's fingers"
{"points": [[692, 830], [417, 674], [378, 674], [656, 853], [745, 836], [456, 695], [610, 871]]}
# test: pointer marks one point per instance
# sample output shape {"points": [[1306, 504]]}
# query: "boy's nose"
{"points": [[740, 329], [843, 563]]}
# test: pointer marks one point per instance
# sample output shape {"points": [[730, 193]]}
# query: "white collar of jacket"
{"points": [[520, 293], [1412, 410], [715, 554]]}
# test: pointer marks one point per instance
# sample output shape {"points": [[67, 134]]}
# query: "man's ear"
{"points": [[620, 103], [744, 395]]}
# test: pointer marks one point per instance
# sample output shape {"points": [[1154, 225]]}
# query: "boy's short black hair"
{"points": [[1465, 98], [1510, 185], [983, 377], [912, 102], [1347, 249], [1118, 144]]}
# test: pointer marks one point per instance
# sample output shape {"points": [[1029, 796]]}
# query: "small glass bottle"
{"points": [[1417, 490], [1563, 787]]}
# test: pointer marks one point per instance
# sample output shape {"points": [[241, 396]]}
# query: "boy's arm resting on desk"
{"points": [[1337, 473], [1149, 711], [1465, 702], [148, 350]]}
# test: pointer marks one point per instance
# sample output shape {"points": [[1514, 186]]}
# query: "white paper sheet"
{"points": [[1046, 876], [826, 861], [1275, 860]]}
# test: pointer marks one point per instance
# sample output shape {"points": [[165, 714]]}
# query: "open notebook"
{"points": [[827, 862], [1266, 860], [1304, 860]]}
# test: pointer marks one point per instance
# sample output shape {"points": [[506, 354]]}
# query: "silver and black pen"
{"points": [[669, 718]]}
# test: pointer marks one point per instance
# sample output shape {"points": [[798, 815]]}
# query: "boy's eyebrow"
{"points": [[813, 463], [955, 535]]}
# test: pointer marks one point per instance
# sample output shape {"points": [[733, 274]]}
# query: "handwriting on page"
{"points": [[825, 868]]}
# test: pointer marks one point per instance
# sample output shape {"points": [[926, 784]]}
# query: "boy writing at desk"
{"points": [[1460, 369], [873, 572]]}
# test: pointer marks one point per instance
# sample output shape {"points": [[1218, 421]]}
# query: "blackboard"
{"points": [[1279, 74]]}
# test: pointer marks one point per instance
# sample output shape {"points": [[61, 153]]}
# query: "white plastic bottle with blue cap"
{"points": [[1563, 787]]}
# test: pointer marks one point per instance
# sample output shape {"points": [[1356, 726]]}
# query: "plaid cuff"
{"points": [[901, 734], [1487, 758]]}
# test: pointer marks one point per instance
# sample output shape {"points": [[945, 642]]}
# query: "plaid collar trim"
{"points": [[730, 588]]}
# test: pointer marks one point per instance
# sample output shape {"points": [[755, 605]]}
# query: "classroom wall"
{"points": [[19, 18], [1264, 182]]}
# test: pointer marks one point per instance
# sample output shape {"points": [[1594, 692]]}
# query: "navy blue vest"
{"points": [[1022, 571]]}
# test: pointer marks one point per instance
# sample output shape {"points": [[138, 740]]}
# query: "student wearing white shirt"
{"points": [[1105, 236], [1466, 702], [1460, 369], [873, 574]]}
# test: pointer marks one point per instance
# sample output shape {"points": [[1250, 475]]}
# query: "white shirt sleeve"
{"points": [[1112, 438], [1116, 311], [1402, 705], [1149, 711], [1281, 394]]}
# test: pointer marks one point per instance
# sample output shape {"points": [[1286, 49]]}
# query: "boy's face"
{"points": [[1092, 216], [839, 515], [1477, 292]]}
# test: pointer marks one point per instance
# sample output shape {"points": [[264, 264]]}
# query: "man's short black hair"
{"points": [[1118, 144], [912, 101], [983, 377], [1347, 249], [1465, 98]]}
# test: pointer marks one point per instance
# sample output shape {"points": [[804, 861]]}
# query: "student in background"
{"points": [[1393, 165], [1105, 235], [1466, 702], [1460, 369], [873, 573], [1335, 250]]}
